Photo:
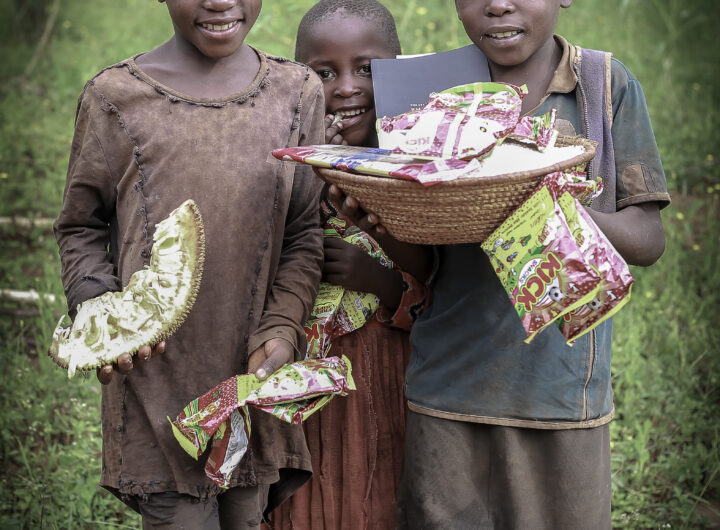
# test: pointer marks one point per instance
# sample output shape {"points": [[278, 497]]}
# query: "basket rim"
{"points": [[394, 182]]}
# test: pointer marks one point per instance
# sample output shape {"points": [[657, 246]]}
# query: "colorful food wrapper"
{"points": [[616, 280], [574, 182], [540, 264], [338, 311], [220, 417], [537, 131], [462, 122], [377, 162]]}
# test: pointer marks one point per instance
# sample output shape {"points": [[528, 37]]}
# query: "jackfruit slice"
{"points": [[153, 305]]}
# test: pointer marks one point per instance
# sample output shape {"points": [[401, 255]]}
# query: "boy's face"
{"points": [[509, 32], [339, 49], [216, 28]]}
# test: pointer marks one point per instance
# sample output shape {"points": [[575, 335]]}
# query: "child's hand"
{"points": [[125, 363], [332, 131], [350, 209], [270, 357], [347, 265]]}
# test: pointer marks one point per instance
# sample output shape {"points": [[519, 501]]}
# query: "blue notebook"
{"points": [[406, 83]]}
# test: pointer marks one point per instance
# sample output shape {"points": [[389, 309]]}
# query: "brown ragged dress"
{"points": [[141, 149]]}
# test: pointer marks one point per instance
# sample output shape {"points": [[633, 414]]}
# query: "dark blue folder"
{"points": [[405, 84]]}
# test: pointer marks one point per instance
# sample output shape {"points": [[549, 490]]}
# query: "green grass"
{"points": [[666, 367]]}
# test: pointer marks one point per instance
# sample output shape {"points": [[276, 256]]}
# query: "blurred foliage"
{"points": [[666, 437]]}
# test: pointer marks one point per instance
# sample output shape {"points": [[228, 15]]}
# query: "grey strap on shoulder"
{"points": [[595, 103]]}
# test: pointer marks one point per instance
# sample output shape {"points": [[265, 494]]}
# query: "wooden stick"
{"points": [[44, 38], [25, 297], [26, 222]]}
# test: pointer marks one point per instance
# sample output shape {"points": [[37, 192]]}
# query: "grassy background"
{"points": [[665, 440]]}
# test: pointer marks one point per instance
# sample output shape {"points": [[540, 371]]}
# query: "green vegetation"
{"points": [[665, 438]]}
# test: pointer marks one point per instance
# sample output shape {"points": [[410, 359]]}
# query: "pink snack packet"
{"points": [[538, 131], [574, 182], [616, 279], [220, 416], [462, 122], [540, 264]]}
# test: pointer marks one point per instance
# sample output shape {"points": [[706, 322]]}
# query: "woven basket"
{"points": [[466, 210]]}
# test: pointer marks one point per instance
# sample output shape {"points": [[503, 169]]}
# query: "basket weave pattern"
{"points": [[466, 210]]}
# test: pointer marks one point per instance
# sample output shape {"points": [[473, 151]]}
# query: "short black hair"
{"points": [[367, 9]]}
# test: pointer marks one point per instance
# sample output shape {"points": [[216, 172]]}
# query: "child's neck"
{"points": [[180, 66], [536, 72]]}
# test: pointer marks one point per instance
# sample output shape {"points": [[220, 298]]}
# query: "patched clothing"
{"points": [[141, 149], [470, 361]]}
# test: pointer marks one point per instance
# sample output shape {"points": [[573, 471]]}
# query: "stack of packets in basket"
{"points": [[338, 311], [221, 416], [452, 137], [555, 263]]}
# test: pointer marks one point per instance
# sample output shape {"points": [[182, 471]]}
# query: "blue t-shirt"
{"points": [[470, 361]]}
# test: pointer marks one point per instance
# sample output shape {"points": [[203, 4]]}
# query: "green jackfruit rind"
{"points": [[151, 308]]}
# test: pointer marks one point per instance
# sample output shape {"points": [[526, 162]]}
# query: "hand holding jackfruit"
{"points": [[149, 309]]}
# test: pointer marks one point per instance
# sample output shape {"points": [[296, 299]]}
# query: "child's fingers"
{"points": [[125, 363], [337, 139], [335, 243], [332, 130], [279, 352], [105, 374], [336, 195]]}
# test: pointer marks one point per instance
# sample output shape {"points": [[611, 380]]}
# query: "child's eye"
{"points": [[325, 75], [365, 70]]}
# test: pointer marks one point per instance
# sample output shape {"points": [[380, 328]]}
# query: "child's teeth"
{"points": [[505, 34], [347, 114], [216, 27]]}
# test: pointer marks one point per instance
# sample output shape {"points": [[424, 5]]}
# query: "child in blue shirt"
{"points": [[502, 434]]}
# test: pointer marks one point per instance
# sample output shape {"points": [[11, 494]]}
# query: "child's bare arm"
{"points": [[635, 231], [417, 260]]}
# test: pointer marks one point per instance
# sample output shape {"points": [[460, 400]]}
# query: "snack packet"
{"points": [[540, 264], [338, 311], [616, 280], [462, 122], [574, 182], [377, 162], [537, 131], [220, 416]]}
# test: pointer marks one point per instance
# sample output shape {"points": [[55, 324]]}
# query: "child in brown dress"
{"points": [[196, 119], [356, 442]]}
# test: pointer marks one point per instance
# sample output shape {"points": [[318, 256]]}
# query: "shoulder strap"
{"points": [[595, 105]]}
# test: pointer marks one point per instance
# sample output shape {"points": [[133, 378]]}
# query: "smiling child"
{"points": [[356, 442], [195, 119]]}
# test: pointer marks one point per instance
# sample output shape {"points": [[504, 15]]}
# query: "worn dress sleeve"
{"points": [[83, 228], [299, 270]]}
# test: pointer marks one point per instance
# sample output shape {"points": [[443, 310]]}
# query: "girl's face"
{"points": [[216, 28], [339, 49]]}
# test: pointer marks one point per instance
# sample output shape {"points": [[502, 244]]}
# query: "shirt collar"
{"points": [[565, 79]]}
